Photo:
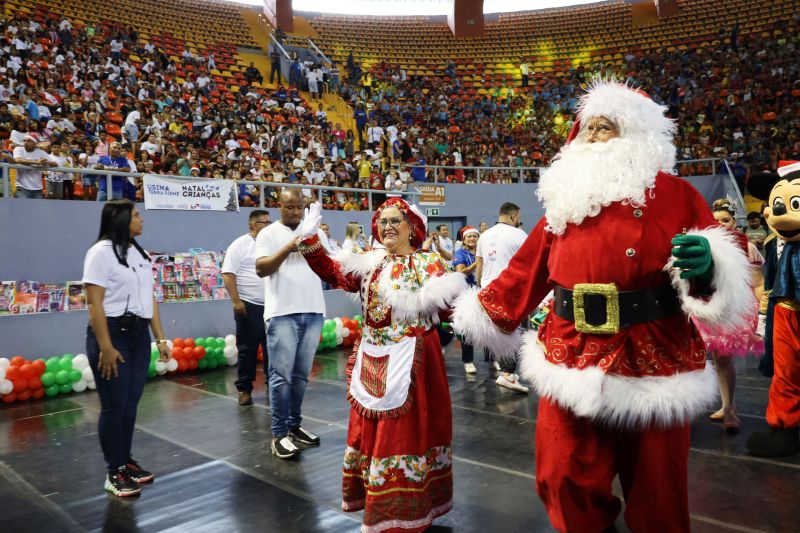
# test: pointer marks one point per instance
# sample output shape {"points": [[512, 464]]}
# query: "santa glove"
{"points": [[538, 318], [693, 257], [311, 221], [761, 328]]}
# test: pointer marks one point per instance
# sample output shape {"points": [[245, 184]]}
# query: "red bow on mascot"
{"points": [[631, 253]]}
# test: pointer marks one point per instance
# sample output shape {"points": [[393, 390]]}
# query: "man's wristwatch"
{"points": [[161, 341]]}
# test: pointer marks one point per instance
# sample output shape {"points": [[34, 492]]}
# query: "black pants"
{"points": [[250, 334], [507, 364], [467, 353], [119, 396], [276, 67]]}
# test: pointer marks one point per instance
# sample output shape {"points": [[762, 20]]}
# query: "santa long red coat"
{"points": [[653, 372]]}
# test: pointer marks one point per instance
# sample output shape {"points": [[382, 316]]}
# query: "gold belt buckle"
{"points": [[610, 293]]}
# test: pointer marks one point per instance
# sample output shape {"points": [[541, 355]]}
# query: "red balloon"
{"points": [[35, 383], [12, 373], [18, 360], [183, 365], [24, 395], [27, 371], [8, 398], [188, 343], [192, 364], [199, 352], [177, 342], [39, 366], [37, 393], [177, 352], [20, 384]]}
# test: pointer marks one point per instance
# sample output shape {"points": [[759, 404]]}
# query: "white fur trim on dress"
{"points": [[437, 294], [475, 327], [731, 305], [359, 264], [619, 401]]}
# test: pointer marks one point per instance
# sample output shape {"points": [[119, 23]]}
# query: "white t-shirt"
{"points": [[446, 243], [240, 260], [130, 286], [30, 180], [374, 134], [496, 246], [293, 288]]}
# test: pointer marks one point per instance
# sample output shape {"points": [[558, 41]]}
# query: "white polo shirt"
{"points": [[293, 288], [240, 260], [496, 246], [128, 287], [30, 179]]}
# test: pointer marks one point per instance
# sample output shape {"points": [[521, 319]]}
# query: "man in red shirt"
{"points": [[619, 367]]}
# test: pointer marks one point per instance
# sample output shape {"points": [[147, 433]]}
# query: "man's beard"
{"points": [[586, 177]]}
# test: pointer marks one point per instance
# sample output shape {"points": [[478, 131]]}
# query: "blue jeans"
{"points": [[26, 193], [250, 334], [292, 340], [119, 396]]}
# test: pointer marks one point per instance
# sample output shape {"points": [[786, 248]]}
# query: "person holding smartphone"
{"points": [[119, 285]]}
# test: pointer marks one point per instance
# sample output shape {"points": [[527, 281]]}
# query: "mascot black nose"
{"points": [[779, 210]]}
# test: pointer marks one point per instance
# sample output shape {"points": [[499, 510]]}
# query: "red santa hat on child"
{"points": [[418, 221], [636, 115]]}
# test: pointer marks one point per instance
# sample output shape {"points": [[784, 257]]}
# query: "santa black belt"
{"points": [[599, 308]]}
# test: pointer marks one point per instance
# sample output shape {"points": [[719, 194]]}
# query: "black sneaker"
{"points": [[284, 448], [137, 473], [304, 437], [120, 484]]}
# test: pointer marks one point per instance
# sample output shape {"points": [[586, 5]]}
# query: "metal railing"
{"points": [[262, 185], [276, 42], [520, 171], [319, 52]]}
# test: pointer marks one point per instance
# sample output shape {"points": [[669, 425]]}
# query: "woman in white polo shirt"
{"points": [[119, 288]]}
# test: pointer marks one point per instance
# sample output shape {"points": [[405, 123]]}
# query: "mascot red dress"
{"points": [[631, 253]]}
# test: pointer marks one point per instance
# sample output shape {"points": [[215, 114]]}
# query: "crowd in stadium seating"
{"points": [[76, 89]]}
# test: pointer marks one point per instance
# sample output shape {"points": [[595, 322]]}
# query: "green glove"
{"points": [[693, 257], [538, 318]]}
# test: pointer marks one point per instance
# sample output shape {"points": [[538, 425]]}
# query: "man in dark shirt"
{"points": [[275, 60]]}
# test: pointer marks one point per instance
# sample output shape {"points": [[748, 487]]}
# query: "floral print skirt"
{"points": [[398, 470]]}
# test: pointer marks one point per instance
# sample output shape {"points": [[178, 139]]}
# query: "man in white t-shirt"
{"points": [[496, 246], [374, 135], [442, 243], [293, 310], [246, 290], [29, 181]]}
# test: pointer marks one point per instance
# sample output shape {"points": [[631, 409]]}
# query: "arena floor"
{"points": [[215, 473]]}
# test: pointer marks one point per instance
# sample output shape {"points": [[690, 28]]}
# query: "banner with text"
{"points": [[431, 194], [196, 195]]}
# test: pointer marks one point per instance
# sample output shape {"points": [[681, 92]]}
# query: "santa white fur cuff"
{"points": [[475, 327], [437, 294], [730, 307]]}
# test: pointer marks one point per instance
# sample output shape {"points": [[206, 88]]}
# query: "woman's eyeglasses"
{"points": [[394, 222]]}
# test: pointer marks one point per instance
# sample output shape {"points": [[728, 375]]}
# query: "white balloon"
{"points": [[153, 346], [172, 365], [80, 361], [230, 340], [161, 368], [4, 362], [6, 386], [88, 377], [229, 351], [338, 322], [169, 343], [230, 361], [345, 332], [91, 384], [79, 386], [339, 341], [2, 373]]}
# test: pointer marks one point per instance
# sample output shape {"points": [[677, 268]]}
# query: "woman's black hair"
{"points": [[115, 225]]}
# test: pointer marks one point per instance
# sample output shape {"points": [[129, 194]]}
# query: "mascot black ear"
{"points": [[760, 185]]}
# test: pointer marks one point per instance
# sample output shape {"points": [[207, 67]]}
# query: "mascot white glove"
{"points": [[311, 220], [761, 328]]}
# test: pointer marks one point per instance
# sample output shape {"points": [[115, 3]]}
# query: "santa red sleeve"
{"points": [[327, 268], [728, 303], [490, 317]]}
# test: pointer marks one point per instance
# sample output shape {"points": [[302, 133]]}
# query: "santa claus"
{"points": [[631, 253]]}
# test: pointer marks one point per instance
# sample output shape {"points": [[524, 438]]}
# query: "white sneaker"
{"points": [[284, 448], [511, 381], [496, 365], [469, 368]]}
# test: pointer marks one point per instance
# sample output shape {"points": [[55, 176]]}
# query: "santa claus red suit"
{"points": [[619, 367]]}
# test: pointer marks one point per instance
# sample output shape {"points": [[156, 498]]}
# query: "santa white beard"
{"points": [[586, 177]]}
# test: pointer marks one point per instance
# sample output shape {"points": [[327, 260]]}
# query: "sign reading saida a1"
{"points": [[431, 194]]}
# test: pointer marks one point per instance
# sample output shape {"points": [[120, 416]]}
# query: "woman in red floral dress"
{"points": [[397, 464]]}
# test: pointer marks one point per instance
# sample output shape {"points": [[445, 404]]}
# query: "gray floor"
{"points": [[215, 472]]}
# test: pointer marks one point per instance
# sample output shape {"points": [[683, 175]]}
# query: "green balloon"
{"points": [[358, 318], [48, 379], [62, 377], [212, 363], [328, 324], [65, 388], [67, 356], [65, 364], [200, 341], [202, 363], [53, 364], [152, 373], [220, 343], [75, 375], [211, 341], [51, 391]]}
